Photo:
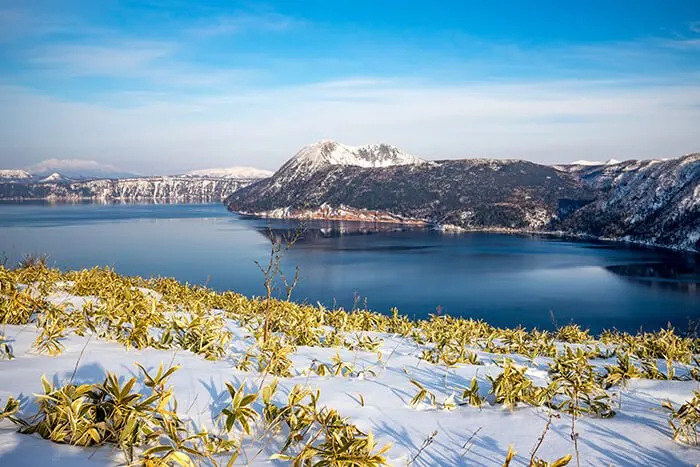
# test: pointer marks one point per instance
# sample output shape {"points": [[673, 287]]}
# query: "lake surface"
{"points": [[504, 279]]}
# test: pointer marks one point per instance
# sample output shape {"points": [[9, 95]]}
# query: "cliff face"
{"points": [[182, 189], [654, 202]]}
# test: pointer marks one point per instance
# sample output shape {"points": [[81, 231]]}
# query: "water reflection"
{"points": [[681, 273], [310, 232], [504, 279]]}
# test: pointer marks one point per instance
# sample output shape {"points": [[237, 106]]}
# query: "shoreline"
{"points": [[371, 217], [455, 229]]}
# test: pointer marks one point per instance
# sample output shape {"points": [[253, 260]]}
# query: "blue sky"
{"points": [[164, 86]]}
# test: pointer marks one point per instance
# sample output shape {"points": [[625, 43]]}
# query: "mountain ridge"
{"points": [[230, 172], [606, 200]]}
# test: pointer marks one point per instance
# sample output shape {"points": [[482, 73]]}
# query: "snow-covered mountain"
{"points": [[180, 189], [55, 178], [328, 153], [327, 181], [77, 168], [653, 202], [230, 172], [14, 175], [100, 182]]}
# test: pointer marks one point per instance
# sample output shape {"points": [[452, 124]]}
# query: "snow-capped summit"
{"points": [[592, 163], [14, 174], [55, 178], [327, 152], [230, 172]]}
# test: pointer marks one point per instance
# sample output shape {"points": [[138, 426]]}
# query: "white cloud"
{"points": [[20, 23], [103, 60], [242, 22], [546, 122], [681, 44], [172, 113]]}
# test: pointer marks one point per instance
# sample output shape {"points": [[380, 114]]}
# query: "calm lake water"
{"points": [[507, 280]]}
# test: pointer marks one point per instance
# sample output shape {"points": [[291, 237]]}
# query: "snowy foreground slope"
{"points": [[638, 435], [375, 395]]}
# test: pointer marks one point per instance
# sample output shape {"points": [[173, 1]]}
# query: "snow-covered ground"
{"points": [[638, 435]]}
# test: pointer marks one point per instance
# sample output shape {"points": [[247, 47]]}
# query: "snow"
{"points": [[176, 188], [54, 178], [230, 172], [14, 174], [592, 163], [638, 435], [326, 152]]}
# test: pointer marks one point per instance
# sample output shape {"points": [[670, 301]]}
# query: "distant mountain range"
{"points": [[240, 173], [79, 179], [652, 202], [77, 169]]}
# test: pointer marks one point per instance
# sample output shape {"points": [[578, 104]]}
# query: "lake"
{"points": [[504, 279]]}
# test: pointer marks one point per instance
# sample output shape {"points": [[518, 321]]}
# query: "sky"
{"points": [[158, 86]]}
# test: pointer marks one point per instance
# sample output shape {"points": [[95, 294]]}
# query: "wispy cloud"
{"points": [[547, 121], [146, 64], [695, 26], [18, 23], [206, 90], [681, 44], [244, 22], [90, 60]]}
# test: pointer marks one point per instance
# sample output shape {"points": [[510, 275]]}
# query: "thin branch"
{"points": [[540, 440], [427, 442], [77, 362]]}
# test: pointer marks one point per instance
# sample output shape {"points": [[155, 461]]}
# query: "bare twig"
{"points": [[468, 443], [540, 440], [427, 442], [77, 362], [574, 435]]}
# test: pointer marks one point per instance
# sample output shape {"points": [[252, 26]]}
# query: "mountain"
{"points": [[240, 173], [171, 189], [329, 153], [80, 179], [14, 175], [55, 178], [77, 168], [651, 202], [379, 182]]}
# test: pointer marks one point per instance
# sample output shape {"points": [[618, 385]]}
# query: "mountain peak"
{"points": [[55, 178], [327, 152]]}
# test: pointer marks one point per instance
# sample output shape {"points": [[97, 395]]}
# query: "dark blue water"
{"points": [[507, 280]]}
